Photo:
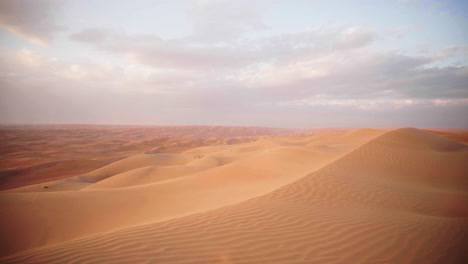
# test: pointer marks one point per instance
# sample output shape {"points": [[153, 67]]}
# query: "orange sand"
{"points": [[364, 196]]}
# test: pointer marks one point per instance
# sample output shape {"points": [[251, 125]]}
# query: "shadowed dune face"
{"points": [[365, 196]]}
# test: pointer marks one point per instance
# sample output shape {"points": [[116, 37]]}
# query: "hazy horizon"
{"points": [[305, 128], [285, 64]]}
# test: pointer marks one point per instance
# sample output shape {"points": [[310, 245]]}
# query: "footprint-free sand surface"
{"points": [[249, 196]]}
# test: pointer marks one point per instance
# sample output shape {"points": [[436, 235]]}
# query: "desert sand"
{"points": [[38, 153], [232, 195]]}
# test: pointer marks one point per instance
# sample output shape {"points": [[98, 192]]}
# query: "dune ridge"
{"points": [[366, 197], [31, 154]]}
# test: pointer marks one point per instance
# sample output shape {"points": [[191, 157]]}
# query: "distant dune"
{"points": [[38, 153], [233, 195]]}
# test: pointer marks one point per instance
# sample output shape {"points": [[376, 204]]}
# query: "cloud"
{"points": [[321, 39], [283, 79], [462, 101], [191, 57], [28, 67], [453, 51], [354, 37], [36, 88], [356, 75], [376, 103], [331, 61], [30, 19], [398, 32], [224, 20], [91, 35], [156, 52], [50, 90]]}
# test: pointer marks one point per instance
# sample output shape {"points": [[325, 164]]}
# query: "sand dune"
{"points": [[96, 209], [365, 196], [32, 154], [146, 175]]}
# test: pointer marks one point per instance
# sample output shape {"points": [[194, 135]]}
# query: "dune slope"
{"points": [[400, 198], [125, 186]]}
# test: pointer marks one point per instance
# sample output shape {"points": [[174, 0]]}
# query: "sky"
{"points": [[291, 63]]}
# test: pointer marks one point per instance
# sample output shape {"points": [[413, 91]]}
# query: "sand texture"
{"points": [[328, 196]]}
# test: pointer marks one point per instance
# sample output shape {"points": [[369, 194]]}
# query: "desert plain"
{"points": [[207, 194]]}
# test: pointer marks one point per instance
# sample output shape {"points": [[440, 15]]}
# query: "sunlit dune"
{"points": [[365, 196], [33, 154]]}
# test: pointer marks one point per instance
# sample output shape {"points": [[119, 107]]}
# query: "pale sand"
{"points": [[365, 196]]}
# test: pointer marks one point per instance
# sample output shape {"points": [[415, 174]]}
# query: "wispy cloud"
{"points": [[224, 20], [32, 20]]}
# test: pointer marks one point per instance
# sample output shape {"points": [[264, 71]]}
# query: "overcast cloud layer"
{"points": [[218, 62]]}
